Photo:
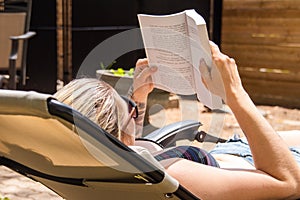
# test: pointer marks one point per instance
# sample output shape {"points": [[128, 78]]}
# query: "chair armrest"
{"points": [[151, 145], [23, 36], [205, 137], [177, 132], [14, 56], [15, 43]]}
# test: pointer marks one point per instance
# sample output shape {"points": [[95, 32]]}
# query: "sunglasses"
{"points": [[132, 110]]}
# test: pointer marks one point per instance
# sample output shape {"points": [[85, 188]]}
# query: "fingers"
{"points": [[142, 83], [217, 55], [212, 44], [143, 70], [147, 72], [142, 62], [214, 48], [205, 72], [220, 59]]}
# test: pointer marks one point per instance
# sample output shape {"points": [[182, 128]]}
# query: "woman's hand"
{"points": [[223, 78], [142, 82]]}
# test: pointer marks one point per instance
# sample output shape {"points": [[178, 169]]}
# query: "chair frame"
{"points": [[60, 110], [12, 6], [56, 110]]}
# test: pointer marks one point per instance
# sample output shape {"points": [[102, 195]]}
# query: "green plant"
{"points": [[102, 66], [122, 72], [117, 72], [3, 198]]}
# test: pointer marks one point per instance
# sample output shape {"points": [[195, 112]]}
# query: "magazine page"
{"points": [[200, 49], [167, 47]]}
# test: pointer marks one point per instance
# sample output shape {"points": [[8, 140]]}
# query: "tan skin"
{"points": [[275, 174], [142, 87]]}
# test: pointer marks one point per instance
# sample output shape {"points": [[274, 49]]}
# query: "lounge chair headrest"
{"points": [[23, 102]]}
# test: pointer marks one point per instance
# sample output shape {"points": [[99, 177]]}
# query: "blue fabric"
{"points": [[239, 147], [296, 153]]}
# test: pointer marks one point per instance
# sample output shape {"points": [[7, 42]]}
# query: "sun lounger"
{"points": [[55, 145]]}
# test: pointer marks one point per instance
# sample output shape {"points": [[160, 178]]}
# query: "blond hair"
{"points": [[96, 100]]}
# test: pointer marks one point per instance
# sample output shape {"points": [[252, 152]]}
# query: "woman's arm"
{"points": [[277, 175], [142, 86]]}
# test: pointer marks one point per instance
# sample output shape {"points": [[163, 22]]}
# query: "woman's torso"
{"points": [[228, 161]]}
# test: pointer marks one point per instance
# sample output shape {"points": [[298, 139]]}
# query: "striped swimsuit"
{"points": [[188, 152]]}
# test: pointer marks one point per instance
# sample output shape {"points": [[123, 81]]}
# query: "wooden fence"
{"points": [[263, 36]]}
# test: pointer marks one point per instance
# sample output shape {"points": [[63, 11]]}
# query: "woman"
{"points": [[120, 116], [275, 174]]}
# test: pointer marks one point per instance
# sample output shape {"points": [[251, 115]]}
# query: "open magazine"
{"points": [[176, 43]]}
